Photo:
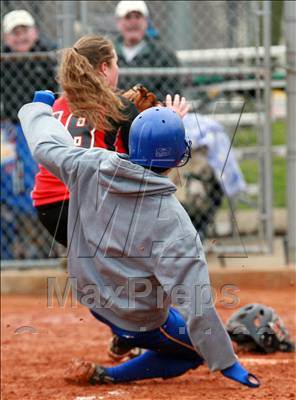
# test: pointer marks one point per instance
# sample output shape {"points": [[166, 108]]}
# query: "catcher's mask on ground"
{"points": [[258, 327], [157, 139]]}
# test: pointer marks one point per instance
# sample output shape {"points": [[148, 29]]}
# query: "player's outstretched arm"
{"points": [[183, 272], [182, 267], [49, 141]]}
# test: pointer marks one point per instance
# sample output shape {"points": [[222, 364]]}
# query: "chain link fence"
{"points": [[23, 72], [210, 52]]}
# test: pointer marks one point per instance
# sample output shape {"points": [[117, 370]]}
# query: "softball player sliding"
{"points": [[133, 249]]}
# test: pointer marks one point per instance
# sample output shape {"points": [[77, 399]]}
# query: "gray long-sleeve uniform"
{"points": [[131, 246]]}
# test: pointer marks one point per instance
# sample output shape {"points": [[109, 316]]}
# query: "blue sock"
{"points": [[152, 365]]}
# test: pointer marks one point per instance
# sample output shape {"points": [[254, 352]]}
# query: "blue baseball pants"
{"points": [[169, 352]]}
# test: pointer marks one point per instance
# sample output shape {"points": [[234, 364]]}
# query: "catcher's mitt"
{"points": [[141, 97]]}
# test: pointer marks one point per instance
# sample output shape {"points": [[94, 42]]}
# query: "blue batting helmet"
{"points": [[157, 139]]}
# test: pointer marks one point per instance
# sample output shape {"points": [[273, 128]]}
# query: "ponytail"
{"points": [[86, 91]]}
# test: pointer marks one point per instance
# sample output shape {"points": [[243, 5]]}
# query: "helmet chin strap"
{"points": [[187, 155]]}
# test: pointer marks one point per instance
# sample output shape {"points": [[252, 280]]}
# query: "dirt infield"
{"points": [[38, 342]]}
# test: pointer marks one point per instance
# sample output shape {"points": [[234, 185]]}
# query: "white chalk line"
{"points": [[108, 395], [267, 361], [86, 398]]}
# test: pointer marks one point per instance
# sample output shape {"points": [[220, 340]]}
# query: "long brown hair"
{"points": [[88, 92]]}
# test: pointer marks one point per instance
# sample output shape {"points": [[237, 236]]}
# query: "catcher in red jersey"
{"points": [[96, 116]]}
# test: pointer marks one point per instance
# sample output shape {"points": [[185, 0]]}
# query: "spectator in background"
{"points": [[20, 230], [21, 77], [17, 213], [136, 49]]}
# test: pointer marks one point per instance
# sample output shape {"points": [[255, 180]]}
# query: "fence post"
{"points": [[267, 134], [290, 33], [180, 19], [259, 106], [84, 17], [68, 20]]}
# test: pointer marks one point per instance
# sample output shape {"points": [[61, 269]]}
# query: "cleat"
{"points": [[119, 351]]}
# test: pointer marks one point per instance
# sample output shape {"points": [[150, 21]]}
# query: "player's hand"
{"points": [[79, 371], [44, 96], [239, 374], [178, 104]]}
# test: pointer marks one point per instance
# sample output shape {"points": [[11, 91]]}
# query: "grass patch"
{"points": [[279, 181], [248, 136], [250, 170]]}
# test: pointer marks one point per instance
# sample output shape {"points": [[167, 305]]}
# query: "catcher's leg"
{"points": [[54, 217]]}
